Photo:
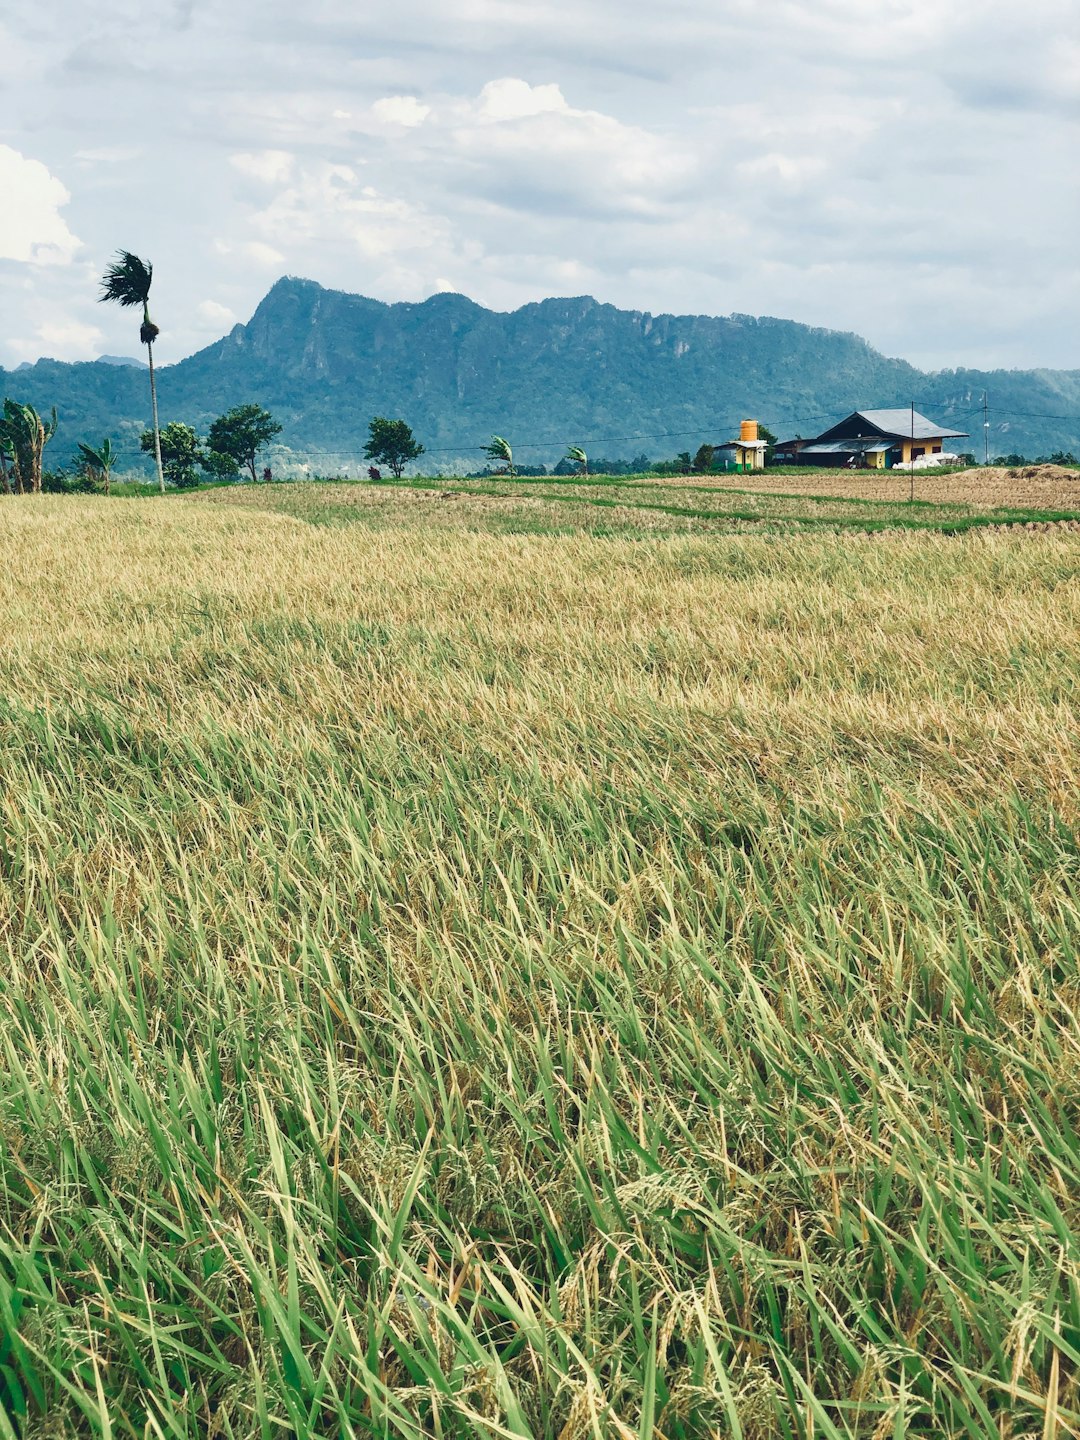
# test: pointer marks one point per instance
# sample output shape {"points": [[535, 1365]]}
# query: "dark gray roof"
{"points": [[898, 422]]}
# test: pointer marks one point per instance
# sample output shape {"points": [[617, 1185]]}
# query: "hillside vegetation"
{"points": [[563, 371], [475, 984]]}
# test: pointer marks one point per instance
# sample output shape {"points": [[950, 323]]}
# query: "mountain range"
{"points": [[558, 372]]}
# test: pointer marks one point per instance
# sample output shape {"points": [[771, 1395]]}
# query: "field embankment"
{"points": [[466, 983]]}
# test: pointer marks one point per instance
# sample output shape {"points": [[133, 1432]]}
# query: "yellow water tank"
{"points": [[748, 431]]}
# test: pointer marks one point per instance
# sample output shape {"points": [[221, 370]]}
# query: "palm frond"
{"points": [[127, 280]]}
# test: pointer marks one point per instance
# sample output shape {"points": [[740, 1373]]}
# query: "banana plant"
{"points": [[24, 435], [100, 461], [127, 281], [7, 457], [499, 450], [577, 455]]}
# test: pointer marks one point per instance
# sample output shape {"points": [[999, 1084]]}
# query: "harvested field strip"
{"points": [[767, 507], [634, 504], [532, 504], [1047, 487]]}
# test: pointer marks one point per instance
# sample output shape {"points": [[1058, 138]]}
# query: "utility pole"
{"points": [[911, 455], [986, 431]]}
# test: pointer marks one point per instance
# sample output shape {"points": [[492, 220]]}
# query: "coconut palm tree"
{"points": [[499, 451], [101, 460], [127, 281], [576, 454]]}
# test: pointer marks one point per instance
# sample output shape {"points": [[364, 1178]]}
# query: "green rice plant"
{"points": [[521, 985]]}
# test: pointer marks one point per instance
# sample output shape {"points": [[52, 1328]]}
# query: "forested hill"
{"points": [[563, 371]]}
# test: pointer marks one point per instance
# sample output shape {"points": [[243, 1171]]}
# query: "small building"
{"points": [[871, 439], [746, 453]]}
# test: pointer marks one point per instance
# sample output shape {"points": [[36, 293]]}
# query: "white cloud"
{"points": [[109, 155], [528, 149], [328, 204], [263, 255], [215, 315], [32, 230], [61, 340], [72, 338], [512, 99], [271, 167], [251, 252], [404, 110], [791, 171]]}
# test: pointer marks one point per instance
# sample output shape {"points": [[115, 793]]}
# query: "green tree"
{"points": [[99, 462], [500, 453], [23, 437], [218, 466], [764, 433], [703, 460], [127, 282], [391, 443], [242, 433], [178, 446], [576, 455]]}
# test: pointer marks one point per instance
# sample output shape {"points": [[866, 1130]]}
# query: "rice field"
{"points": [[459, 982], [785, 503]]}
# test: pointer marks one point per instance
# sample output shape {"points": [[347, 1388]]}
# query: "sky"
{"points": [[906, 169]]}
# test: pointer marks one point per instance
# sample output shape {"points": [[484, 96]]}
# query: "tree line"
{"points": [[232, 445]]}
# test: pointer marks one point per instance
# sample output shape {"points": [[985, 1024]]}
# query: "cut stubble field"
{"points": [[468, 983], [786, 503]]}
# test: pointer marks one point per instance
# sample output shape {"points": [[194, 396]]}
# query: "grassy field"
{"points": [[560, 985], [786, 503]]}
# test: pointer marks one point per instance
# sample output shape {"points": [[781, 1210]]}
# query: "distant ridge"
{"points": [[121, 360], [555, 372]]}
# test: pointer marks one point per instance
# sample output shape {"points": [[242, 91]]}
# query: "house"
{"points": [[871, 439], [746, 453]]}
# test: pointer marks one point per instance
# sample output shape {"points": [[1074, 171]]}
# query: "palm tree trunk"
{"points": [[153, 407]]}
